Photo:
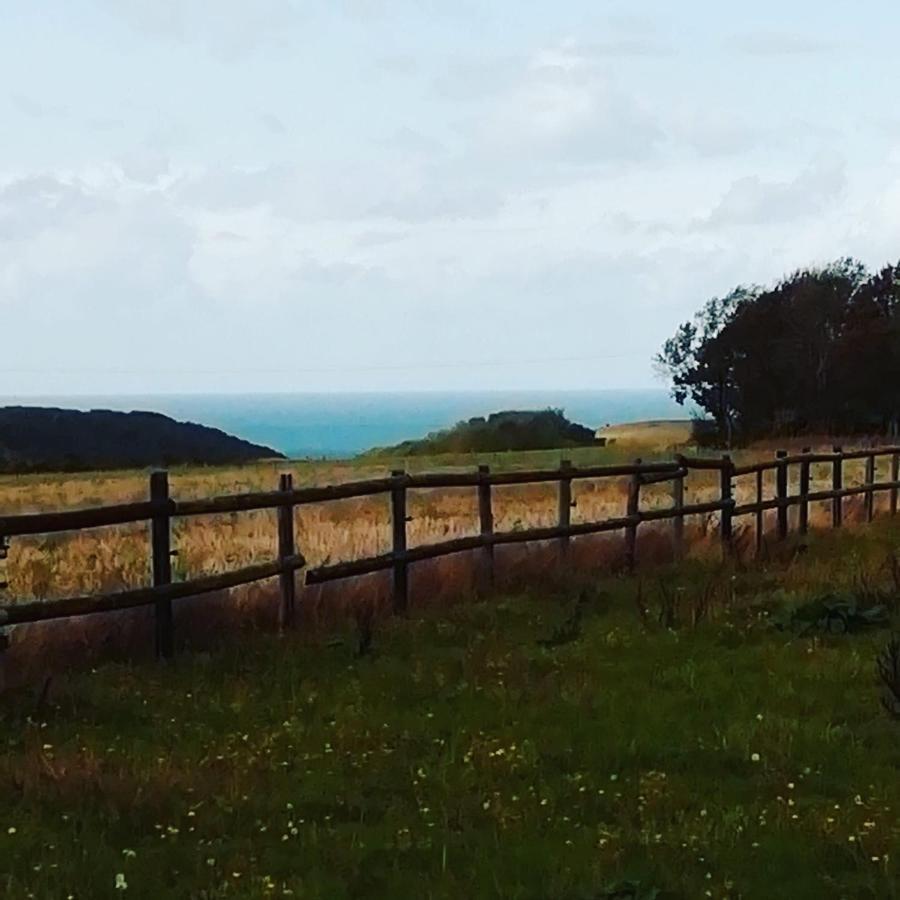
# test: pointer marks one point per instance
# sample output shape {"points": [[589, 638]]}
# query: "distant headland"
{"points": [[36, 439]]}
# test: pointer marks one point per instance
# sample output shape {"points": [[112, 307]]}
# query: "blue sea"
{"points": [[344, 424]]}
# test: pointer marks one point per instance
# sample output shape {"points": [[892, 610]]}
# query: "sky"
{"points": [[292, 195]]}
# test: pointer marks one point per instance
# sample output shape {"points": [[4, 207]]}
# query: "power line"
{"points": [[308, 370]]}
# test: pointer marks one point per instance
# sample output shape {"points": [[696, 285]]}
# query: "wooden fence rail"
{"points": [[160, 509]]}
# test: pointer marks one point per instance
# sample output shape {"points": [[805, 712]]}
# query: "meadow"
{"points": [[110, 559], [597, 737], [114, 558]]}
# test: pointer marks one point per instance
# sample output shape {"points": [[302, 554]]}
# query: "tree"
{"points": [[700, 366], [819, 351]]}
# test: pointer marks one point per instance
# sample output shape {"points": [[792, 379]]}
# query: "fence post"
{"points": [[161, 546], [286, 549], [633, 508], [725, 476], [760, 514], [804, 492], [678, 520], [895, 476], [398, 526], [837, 484], [486, 522], [870, 494], [565, 506], [782, 490]]}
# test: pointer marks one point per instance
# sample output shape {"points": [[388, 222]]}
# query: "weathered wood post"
{"points": [[895, 477], [565, 506], [804, 492], [398, 527], [286, 580], [726, 473], [837, 484], [678, 519], [781, 474], [760, 514], [486, 523], [870, 493], [161, 556], [632, 510]]}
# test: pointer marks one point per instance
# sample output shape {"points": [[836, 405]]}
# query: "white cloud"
{"points": [[779, 44], [34, 203], [145, 164], [563, 106], [273, 123], [228, 28], [429, 202], [756, 201], [36, 109]]}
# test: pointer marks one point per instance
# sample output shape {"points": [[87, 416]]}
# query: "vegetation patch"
{"points": [[545, 429], [832, 614], [544, 745]]}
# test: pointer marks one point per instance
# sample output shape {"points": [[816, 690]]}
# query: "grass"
{"points": [[661, 433], [117, 558], [510, 748]]}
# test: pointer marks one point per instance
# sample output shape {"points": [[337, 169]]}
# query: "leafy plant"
{"points": [[570, 630], [634, 890], [831, 614]]}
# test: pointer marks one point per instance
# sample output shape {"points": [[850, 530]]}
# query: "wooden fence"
{"points": [[161, 508]]}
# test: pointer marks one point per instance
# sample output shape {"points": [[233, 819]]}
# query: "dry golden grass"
{"points": [[53, 566], [105, 559], [661, 433]]}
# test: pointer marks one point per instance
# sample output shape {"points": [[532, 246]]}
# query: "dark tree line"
{"points": [[818, 352]]}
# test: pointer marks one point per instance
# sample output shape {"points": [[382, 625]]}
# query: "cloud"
{"points": [[229, 29], [634, 47], [88, 256], [562, 106], [104, 123], [411, 189], [145, 165], [754, 201], [272, 123], [294, 192], [431, 203], [396, 64], [778, 44], [32, 204], [717, 132], [380, 238], [270, 268], [36, 109], [474, 79], [410, 141]]}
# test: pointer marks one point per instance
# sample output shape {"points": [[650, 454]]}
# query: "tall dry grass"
{"points": [[51, 566]]}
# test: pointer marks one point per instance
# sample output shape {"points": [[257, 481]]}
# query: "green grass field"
{"points": [[465, 757]]}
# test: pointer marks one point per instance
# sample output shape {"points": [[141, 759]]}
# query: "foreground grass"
{"points": [[465, 758]]}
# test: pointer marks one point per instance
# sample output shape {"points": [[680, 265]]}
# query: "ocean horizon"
{"points": [[345, 424]]}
